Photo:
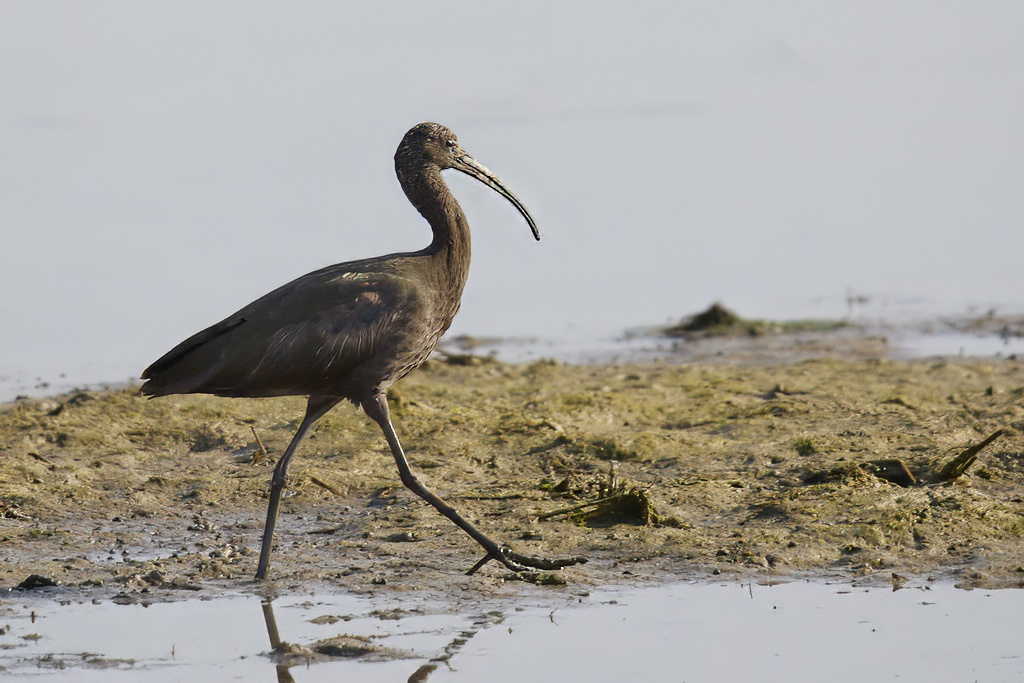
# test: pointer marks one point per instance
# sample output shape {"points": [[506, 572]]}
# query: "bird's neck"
{"points": [[428, 192]]}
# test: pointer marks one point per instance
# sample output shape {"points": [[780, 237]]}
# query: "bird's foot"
{"points": [[523, 563]]}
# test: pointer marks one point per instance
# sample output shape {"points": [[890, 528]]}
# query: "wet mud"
{"points": [[655, 471]]}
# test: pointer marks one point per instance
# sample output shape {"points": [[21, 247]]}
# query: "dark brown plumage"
{"points": [[349, 331]]}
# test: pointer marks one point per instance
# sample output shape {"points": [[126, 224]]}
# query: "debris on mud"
{"points": [[896, 471], [991, 323], [627, 507], [957, 466], [614, 502]]}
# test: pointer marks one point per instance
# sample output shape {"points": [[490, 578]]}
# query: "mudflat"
{"points": [[826, 467]]}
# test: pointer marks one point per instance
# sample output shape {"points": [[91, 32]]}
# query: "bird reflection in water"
{"points": [[289, 655]]}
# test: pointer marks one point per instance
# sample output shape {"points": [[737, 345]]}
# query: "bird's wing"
{"points": [[340, 325], [193, 342], [305, 337]]}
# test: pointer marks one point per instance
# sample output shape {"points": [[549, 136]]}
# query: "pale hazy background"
{"points": [[164, 163]]}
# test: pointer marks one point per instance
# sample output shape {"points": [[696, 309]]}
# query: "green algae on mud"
{"points": [[742, 469]]}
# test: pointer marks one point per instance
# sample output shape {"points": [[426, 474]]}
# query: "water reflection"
{"points": [[789, 631], [287, 655], [455, 645], [275, 641]]}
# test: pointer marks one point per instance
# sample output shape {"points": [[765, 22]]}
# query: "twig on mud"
{"points": [[958, 465], [494, 496], [40, 458], [11, 513], [325, 485], [259, 443], [612, 486]]}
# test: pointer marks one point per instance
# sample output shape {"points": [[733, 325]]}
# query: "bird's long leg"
{"points": [[377, 408], [316, 408]]}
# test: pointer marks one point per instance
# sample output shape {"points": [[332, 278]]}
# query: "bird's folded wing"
{"points": [[298, 339]]}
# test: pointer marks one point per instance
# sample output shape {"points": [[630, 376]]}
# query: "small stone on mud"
{"points": [[344, 646], [37, 581], [391, 614], [891, 470], [325, 619], [155, 578], [224, 552]]}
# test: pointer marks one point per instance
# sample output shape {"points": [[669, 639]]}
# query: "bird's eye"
{"points": [[451, 143]]}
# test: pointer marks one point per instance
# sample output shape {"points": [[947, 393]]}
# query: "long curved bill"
{"points": [[472, 167]]}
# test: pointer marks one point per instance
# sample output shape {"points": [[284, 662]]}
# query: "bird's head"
{"points": [[431, 144]]}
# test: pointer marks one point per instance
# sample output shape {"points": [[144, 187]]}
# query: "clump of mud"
{"points": [[719, 321], [828, 466]]}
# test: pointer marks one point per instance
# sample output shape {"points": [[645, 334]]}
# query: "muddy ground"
{"points": [[826, 467]]}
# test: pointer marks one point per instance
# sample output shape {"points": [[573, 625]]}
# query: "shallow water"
{"points": [[682, 632], [907, 341]]}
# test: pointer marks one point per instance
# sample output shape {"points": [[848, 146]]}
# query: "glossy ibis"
{"points": [[350, 331]]}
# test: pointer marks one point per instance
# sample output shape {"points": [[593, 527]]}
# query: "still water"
{"points": [[163, 164], [797, 631]]}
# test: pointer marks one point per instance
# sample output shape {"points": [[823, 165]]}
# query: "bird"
{"points": [[349, 331]]}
